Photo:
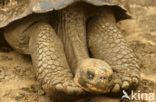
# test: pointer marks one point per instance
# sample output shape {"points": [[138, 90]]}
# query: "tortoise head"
{"points": [[94, 75]]}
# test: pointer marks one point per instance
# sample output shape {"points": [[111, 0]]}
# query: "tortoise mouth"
{"points": [[90, 87]]}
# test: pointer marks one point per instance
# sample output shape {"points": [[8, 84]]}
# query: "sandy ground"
{"points": [[18, 83]]}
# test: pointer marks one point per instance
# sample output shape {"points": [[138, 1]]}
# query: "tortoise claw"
{"points": [[75, 90], [125, 85], [135, 81], [116, 88]]}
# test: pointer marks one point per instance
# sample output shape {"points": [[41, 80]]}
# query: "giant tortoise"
{"points": [[80, 51]]}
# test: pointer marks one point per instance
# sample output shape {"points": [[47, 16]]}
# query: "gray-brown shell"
{"points": [[11, 10]]}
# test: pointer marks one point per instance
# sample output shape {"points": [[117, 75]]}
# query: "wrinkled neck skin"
{"points": [[72, 31]]}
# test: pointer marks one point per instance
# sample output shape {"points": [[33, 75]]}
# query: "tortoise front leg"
{"points": [[47, 55], [107, 43], [49, 60]]}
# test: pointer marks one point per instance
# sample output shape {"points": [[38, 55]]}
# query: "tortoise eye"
{"points": [[90, 75]]}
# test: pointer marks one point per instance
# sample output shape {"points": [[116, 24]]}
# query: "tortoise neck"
{"points": [[72, 31]]}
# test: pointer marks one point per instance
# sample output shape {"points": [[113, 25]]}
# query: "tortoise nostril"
{"points": [[102, 78]]}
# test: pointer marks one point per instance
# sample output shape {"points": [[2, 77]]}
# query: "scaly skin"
{"points": [[90, 74], [34, 36], [47, 54], [49, 59], [107, 43], [37, 38]]}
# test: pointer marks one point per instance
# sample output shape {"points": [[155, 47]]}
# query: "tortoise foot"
{"points": [[125, 81], [68, 87]]}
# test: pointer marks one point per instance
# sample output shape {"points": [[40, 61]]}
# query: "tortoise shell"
{"points": [[11, 10]]}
